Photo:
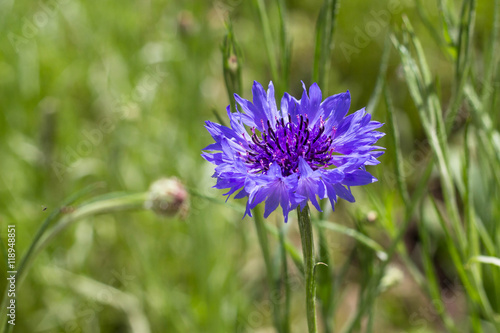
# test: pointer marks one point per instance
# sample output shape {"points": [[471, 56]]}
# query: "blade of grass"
{"points": [[325, 27], [469, 221], [381, 78], [433, 31], [398, 160], [467, 19], [462, 63], [285, 46], [491, 58], [488, 135], [268, 39], [448, 25]]}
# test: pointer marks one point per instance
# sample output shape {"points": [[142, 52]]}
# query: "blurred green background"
{"points": [[118, 92]]}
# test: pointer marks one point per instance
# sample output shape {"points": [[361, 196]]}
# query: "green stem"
{"points": [[306, 236]]}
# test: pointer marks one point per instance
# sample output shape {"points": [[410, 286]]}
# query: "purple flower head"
{"points": [[306, 150]]}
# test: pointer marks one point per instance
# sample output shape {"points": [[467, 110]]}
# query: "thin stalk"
{"points": [[268, 39], [400, 176], [490, 62], [325, 27], [381, 78], [306, 237], [285, 46]]}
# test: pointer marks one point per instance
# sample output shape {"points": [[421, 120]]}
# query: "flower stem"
{"points": [[306, 236]]}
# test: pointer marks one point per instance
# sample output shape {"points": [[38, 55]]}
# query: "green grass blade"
{"points": [[325, 27], [428, 23], [398, 160], [447, 26], [268, 39], [467, 19], [285, 46], [491, 59], [381, 78]]}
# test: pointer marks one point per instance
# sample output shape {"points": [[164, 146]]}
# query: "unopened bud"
{"points": [[167, 197], [232, 63]]}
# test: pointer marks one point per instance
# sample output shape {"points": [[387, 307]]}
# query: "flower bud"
{"points": [[232, 63], [167, 197]]}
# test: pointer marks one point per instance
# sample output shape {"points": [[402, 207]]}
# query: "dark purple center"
{"points": [[285, 144]]}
